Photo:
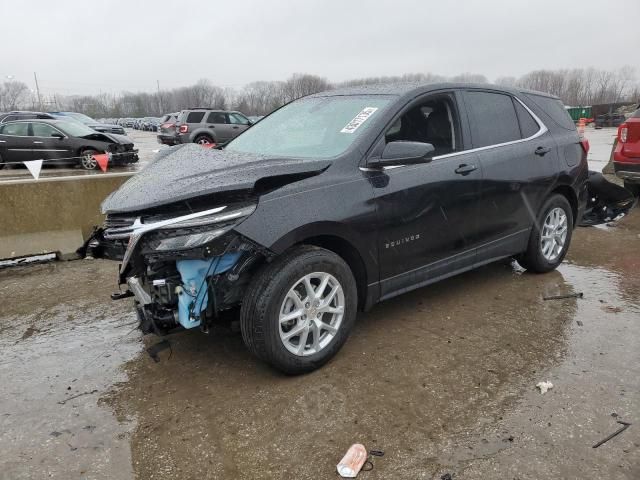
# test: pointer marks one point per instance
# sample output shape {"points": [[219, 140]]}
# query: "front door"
{"points": [[48, 147], [428, 212]]}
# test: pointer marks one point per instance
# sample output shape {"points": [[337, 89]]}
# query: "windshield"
{"points": [[79, 117], [319, 127], [74, 129]]}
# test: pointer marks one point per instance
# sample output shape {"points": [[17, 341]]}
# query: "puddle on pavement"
{"points": [[442, 379], [63, 345]]}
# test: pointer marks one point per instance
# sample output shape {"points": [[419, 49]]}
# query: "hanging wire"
{"points": [[111, 155]]}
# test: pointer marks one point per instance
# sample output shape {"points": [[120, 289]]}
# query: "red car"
{"points": [[626, 155]]}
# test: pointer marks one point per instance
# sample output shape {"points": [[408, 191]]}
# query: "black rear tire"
{"points": [[259, 315], [634, 188], [203, 140], [533, 258]]}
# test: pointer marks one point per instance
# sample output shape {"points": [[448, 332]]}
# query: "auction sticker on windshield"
{"points": [[359, 119]]}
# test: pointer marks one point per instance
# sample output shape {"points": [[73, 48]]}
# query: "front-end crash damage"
{"points": [[183, 270], [173, 228]]}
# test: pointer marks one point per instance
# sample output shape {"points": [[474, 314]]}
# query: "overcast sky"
{"points": [[88, 46]]}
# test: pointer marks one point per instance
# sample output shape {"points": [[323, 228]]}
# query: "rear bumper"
{"points": [[629, 172], [167, 139]]}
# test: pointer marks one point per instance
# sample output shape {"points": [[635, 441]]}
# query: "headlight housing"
{"points": [[179, 233], [185, 242]]}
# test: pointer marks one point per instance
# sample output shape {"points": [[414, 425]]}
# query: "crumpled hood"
{"points": [[188, 171]]}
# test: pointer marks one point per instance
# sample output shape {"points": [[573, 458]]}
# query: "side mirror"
{"points": [[403, 153], [57, 135]]}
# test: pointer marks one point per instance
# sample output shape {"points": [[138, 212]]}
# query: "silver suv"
{"points": [[206, 126]]}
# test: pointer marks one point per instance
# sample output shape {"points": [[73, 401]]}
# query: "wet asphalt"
{"points": [[442, 379]]}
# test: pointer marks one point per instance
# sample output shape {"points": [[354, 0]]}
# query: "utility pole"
{"points": [[35, 77], [160, 97]]}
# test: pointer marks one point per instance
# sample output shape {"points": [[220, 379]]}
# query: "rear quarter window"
{"points": [[555, 109], [195, 117]]}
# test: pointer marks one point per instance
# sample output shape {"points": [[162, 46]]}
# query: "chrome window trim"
{"points": [[541, 131]]}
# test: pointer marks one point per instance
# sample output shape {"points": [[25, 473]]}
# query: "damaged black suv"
{"points": [[342, 199]]}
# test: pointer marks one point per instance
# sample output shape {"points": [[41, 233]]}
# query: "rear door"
{"points": [[218, 122], [15, 142], [519, 161], [46, 146]]}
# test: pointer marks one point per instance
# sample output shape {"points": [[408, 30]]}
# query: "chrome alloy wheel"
{"points": [[311, 313], [88, 162], [554, 234]]}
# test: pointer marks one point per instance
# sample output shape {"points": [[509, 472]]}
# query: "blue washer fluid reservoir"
{"points": [[194, 287]]}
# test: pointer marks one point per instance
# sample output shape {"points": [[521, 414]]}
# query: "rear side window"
{"points": [[217, 117], [195, 117], [555, 109], [15, 129], [528, 126], [493, 118]]}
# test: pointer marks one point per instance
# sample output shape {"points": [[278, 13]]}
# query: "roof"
{"points": [[416, 88]]}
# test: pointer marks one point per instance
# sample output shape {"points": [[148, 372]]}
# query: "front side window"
{"points": [[316, 127], [238, 119], [42, 130], [433, 121], [15, 129], [493, 118]]}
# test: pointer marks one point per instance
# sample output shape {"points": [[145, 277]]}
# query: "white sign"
{"points": [[359, 119]]}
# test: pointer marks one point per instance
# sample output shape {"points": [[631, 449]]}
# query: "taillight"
{"points": [[184, 128], [623, 132], [167, 125], [585, 145]]}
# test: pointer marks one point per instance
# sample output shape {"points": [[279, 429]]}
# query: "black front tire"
{"points": [[533, 258], [259, 315]]}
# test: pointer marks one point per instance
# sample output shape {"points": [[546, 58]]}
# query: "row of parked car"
{"points": [[68, 138], [147, 124]]}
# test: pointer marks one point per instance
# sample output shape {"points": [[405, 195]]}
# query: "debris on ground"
{"points": [[568, 295], [579, 322], [352, 462], [76, 396], [446, 476], [544, 386], [154, 350], [625, 425]]}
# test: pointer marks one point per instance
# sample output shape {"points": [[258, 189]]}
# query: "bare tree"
{"points": [[12, 93]]}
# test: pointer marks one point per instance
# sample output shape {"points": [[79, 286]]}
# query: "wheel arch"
{"points": [[349, 253], [571, 196], [204, 133]]}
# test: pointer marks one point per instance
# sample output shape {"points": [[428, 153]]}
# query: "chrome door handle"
{"points": [[37, 143], [542, 151], [465, 169]]}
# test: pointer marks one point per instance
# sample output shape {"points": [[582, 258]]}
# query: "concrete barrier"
{"points": [[52, 214]]}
